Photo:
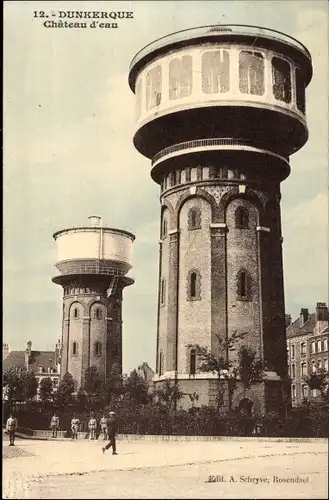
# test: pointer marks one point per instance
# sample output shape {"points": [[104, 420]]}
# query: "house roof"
{"points": [[295, 330], [46, 359]]}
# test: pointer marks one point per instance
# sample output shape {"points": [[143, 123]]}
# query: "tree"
{"points": [[65, 391], [320, 382], [93, 382], [114, 384], [30, 384], [169, 394], [220, 364], [135, 388], [21, 385], [250, 369], [14, 386], [46, 390]]}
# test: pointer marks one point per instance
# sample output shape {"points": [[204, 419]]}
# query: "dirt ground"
{"points": [[228, 469]]}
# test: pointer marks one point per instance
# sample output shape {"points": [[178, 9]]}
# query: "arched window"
{"points": [[76, 313], [241, 218], [98, 313], [192, 362], [193, 292], [193, 284], [74, 348], [164, 228], [163, 291], [161, 363], [194, 219], [243, 286], [97, 349]]}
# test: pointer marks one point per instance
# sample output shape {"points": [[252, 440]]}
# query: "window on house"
{"points": [[180, 77], [293, 391], [303, 348], [326, 365], [319, 346], [241, 218], [163, 291], [292, 350], [194, 219], [192, 362], [153, 87], [215, 71], [314, 393], [312, 347], [281, 77], [305, 391], [76, 313], [98, 313], [293, 371], [251, 72], [98, 349], [74, 349], [325, 345], [161, 363], [303, 369], [313, 367], [194, 285]]}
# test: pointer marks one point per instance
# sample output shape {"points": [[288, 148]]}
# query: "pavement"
{"points": [[204, 469]]}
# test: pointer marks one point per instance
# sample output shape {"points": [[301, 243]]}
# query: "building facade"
{"points": [[92, 262], [219, 111], [44, 364], [307, 347]]}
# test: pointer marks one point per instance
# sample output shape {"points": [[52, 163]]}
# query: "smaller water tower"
{"points": [[93, 262]]}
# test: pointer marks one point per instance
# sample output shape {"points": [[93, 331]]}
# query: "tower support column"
{"points": [[171, 348], [218, 285]]}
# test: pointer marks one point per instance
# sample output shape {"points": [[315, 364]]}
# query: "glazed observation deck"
{"points": [[93, 250], [225, 81]]}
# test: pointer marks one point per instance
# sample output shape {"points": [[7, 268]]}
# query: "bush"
{"points": [[308, 420]]}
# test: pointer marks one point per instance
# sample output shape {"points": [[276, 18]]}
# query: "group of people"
{"points": [[108, 428]]}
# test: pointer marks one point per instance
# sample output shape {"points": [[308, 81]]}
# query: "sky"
{"points": [[68, 153]]}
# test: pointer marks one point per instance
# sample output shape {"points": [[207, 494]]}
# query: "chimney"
{"points": [[28, 354], [288, 320], [5, 351], [303, 316], [321, 312]]}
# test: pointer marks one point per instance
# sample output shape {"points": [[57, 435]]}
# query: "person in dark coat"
{"points": [[112, 427]]}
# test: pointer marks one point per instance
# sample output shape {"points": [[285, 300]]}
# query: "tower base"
{"points": [[270, 395]]}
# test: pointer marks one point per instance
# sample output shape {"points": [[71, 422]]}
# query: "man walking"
{"points": [[54, 425], [111, 431], [11, 427], [103, 426]]}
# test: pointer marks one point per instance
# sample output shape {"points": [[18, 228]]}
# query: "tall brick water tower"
{"points": [[219, 111], [92, 262]]}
